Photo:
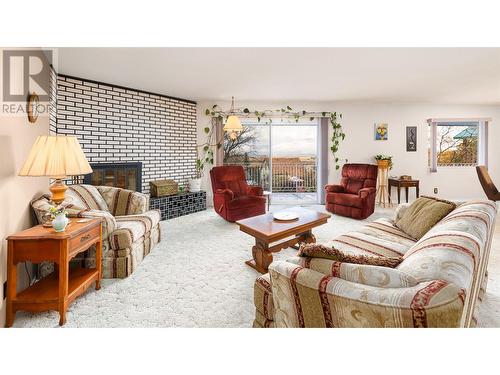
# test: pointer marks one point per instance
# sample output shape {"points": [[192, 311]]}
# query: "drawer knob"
{"points": [[84, 238]]}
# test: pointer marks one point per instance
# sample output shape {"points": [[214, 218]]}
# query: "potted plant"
{"points": [[194, 184], [206, 158], [59, 218], [204, 154], [384, 161]]}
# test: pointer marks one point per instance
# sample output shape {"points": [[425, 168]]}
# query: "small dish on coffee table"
{"points": [[285, 216]]}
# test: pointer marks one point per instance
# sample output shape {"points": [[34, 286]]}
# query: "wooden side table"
{"points": [[57, 290], [398, 183]]}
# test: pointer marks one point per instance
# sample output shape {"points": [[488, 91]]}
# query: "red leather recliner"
{"points": [[234, 199], [355, 196]]}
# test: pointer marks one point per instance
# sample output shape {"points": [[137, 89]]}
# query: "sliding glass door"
{"points": [[282, 157]]}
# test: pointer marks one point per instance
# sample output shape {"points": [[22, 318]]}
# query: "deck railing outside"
{"points": [[287, 177]]}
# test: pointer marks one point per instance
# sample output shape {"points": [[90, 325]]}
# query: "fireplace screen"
{"points": [[122, 175]]}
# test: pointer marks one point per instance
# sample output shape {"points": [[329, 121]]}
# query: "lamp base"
{"points": [[58, 190]]}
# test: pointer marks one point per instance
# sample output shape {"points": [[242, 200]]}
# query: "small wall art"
{"points": [[381, 131], [411, 138]]}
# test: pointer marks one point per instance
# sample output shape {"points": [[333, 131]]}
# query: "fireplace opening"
{"points": [[122, 175]]}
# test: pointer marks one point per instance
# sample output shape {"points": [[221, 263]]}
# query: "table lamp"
{"points": [[56, 157]]}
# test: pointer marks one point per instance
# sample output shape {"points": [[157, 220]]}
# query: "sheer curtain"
{"points": [[323, 138]]}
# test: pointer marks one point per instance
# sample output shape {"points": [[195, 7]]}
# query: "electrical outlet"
{"points": [[5, 290], [435, 190]]}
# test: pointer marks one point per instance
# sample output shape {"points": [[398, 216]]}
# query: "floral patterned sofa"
{"points": [[130, 230], [439, 283]]}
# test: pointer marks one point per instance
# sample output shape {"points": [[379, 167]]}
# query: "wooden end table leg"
{"points": [[418, 191], [63, 283], [399, 195], [406, 192], [11, 285], [98, 261], [262, 257]]}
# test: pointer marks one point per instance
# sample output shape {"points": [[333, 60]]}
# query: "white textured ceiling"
{"points": [[441, 75]]}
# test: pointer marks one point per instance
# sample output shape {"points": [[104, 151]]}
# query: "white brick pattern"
{"points": [[116, 124]]}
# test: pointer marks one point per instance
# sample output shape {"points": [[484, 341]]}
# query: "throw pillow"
{"points": [[321, 251], [422, 215]]}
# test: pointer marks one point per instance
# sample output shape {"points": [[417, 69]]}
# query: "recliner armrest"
{"points": [[334, 188], [363, 193], [255, 190], [228, 194]]}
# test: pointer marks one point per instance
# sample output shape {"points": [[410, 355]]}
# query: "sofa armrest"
{"points": [[307, 298], [358, 273], [334, 188], [109, 223], [363, 193], [227, 194], [255, 190]]}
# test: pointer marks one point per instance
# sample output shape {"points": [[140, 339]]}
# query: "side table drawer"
{"points": [[84, 240], [409, 184]]}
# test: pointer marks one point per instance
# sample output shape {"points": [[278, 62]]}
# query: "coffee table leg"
{"points": [[304, 238], [262, 257], [309, 237]]}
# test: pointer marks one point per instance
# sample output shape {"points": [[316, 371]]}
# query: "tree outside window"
{"points": [[457, 145]]}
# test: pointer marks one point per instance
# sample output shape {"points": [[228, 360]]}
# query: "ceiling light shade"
{"points": [[233, 124], [56, 157]]}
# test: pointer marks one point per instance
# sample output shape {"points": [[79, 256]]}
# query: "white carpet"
{"points": [[196, 277]]}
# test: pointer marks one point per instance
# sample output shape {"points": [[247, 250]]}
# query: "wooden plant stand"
{"points": [[57, 290], [382, 196]]}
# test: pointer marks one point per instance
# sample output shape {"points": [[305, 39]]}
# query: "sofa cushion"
{"points": [[132, 228], [85, 197], [124, 202], [245, 201], [422, 215], [345, 199], [379, 238]]}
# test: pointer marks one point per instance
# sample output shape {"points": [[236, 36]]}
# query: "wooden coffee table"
{"points": [[268, 232]]}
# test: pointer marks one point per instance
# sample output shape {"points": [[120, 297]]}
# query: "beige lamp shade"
{"points": [[56, 157], [233, 124]]}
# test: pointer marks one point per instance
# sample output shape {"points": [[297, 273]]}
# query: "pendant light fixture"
{"points": [[233, 124]]}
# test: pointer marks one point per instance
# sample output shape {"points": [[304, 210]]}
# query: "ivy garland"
{"points": [[205, 150]]}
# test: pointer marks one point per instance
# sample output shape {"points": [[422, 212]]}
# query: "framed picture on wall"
{"points": [[411, 138], [381, 131]]}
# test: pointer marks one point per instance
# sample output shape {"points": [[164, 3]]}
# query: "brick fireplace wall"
{"points": [[118, 124]]}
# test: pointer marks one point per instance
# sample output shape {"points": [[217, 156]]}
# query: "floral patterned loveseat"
{"points": [[439, 283], [130, 230]]}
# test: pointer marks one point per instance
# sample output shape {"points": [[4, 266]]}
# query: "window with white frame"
{"points": [[457, 142]]}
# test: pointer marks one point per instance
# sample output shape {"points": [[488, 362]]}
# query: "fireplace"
{"points": [[122, 175]]}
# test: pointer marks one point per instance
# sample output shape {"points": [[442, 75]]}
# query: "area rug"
{"points": [[196, 277]]}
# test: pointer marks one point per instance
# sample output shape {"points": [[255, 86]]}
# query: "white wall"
{"points": [[17, 135], [360, 146]]}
